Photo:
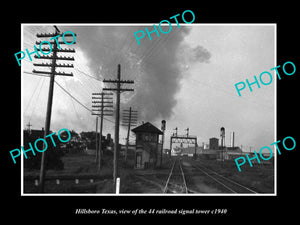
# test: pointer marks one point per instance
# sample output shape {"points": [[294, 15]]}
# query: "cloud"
{"points": [[156, 65], [192, 55]]}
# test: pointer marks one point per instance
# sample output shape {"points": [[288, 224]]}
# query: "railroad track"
{"points": [[176, 182], [228, 184]]}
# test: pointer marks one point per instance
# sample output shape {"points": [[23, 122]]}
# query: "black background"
{"points": [[241, 209]]}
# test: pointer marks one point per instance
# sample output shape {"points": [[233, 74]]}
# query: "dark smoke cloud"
{"points": [[156, 65], [197, 54]]}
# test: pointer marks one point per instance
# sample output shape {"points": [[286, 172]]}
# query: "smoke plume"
{"points": [[156, 66]]}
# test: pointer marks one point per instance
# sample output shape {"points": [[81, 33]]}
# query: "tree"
{"points": [[54, 154], [76, 144], [89, 138]]}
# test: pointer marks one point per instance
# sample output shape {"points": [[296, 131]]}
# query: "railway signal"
{"points": [[187, 131], [163, 128]]}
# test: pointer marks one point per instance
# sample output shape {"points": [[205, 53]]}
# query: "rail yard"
{"points": [[178, 176]]}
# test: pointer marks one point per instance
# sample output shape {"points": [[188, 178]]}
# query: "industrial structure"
{"points": [[147, 145], [183, 139], [214, 143], [215, 150]]}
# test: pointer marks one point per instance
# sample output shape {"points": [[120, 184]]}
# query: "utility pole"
{"points": [[29, 125], [118, 90], [96, 141], [129, 119], [103, 112], [163, 128], [52, 74]]}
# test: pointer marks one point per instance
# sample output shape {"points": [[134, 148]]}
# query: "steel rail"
{"points": [[168, 183], [183, 177], [168, 180], [215, 179], [236, 183]]}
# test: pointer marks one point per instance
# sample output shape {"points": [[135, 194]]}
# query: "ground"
{"points": [[80, 176], [258, 178]]}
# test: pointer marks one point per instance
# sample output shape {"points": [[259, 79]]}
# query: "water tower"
{"points": [[222, 134]]}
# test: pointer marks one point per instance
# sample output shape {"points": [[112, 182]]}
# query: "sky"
{"points": [[185, 77]]}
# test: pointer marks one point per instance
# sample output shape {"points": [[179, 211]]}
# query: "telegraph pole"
{"points": [[52, 74], [129, 119], [118, 90], [103, 112], [96, 141], [29, 125]]}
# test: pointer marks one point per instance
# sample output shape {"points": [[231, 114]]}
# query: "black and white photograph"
{"points": [[149, 109]]}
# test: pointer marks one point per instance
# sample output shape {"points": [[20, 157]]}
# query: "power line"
{"points": [[36, 100], [32, 95], [87, 75], [36, 74], [46, 75], [78, 70], [77, 100], [73, 103], [72, 96], [122, 40], [66, 93]]}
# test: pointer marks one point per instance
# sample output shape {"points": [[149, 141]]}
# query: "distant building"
{"points": [[147, 146], [265, 155], [205, 146], [234, 149], [231, 153], [200, 152], [190, 151], [213, 143]]}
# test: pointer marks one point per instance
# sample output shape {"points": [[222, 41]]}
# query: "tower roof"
{"points": [[147, 127]]}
